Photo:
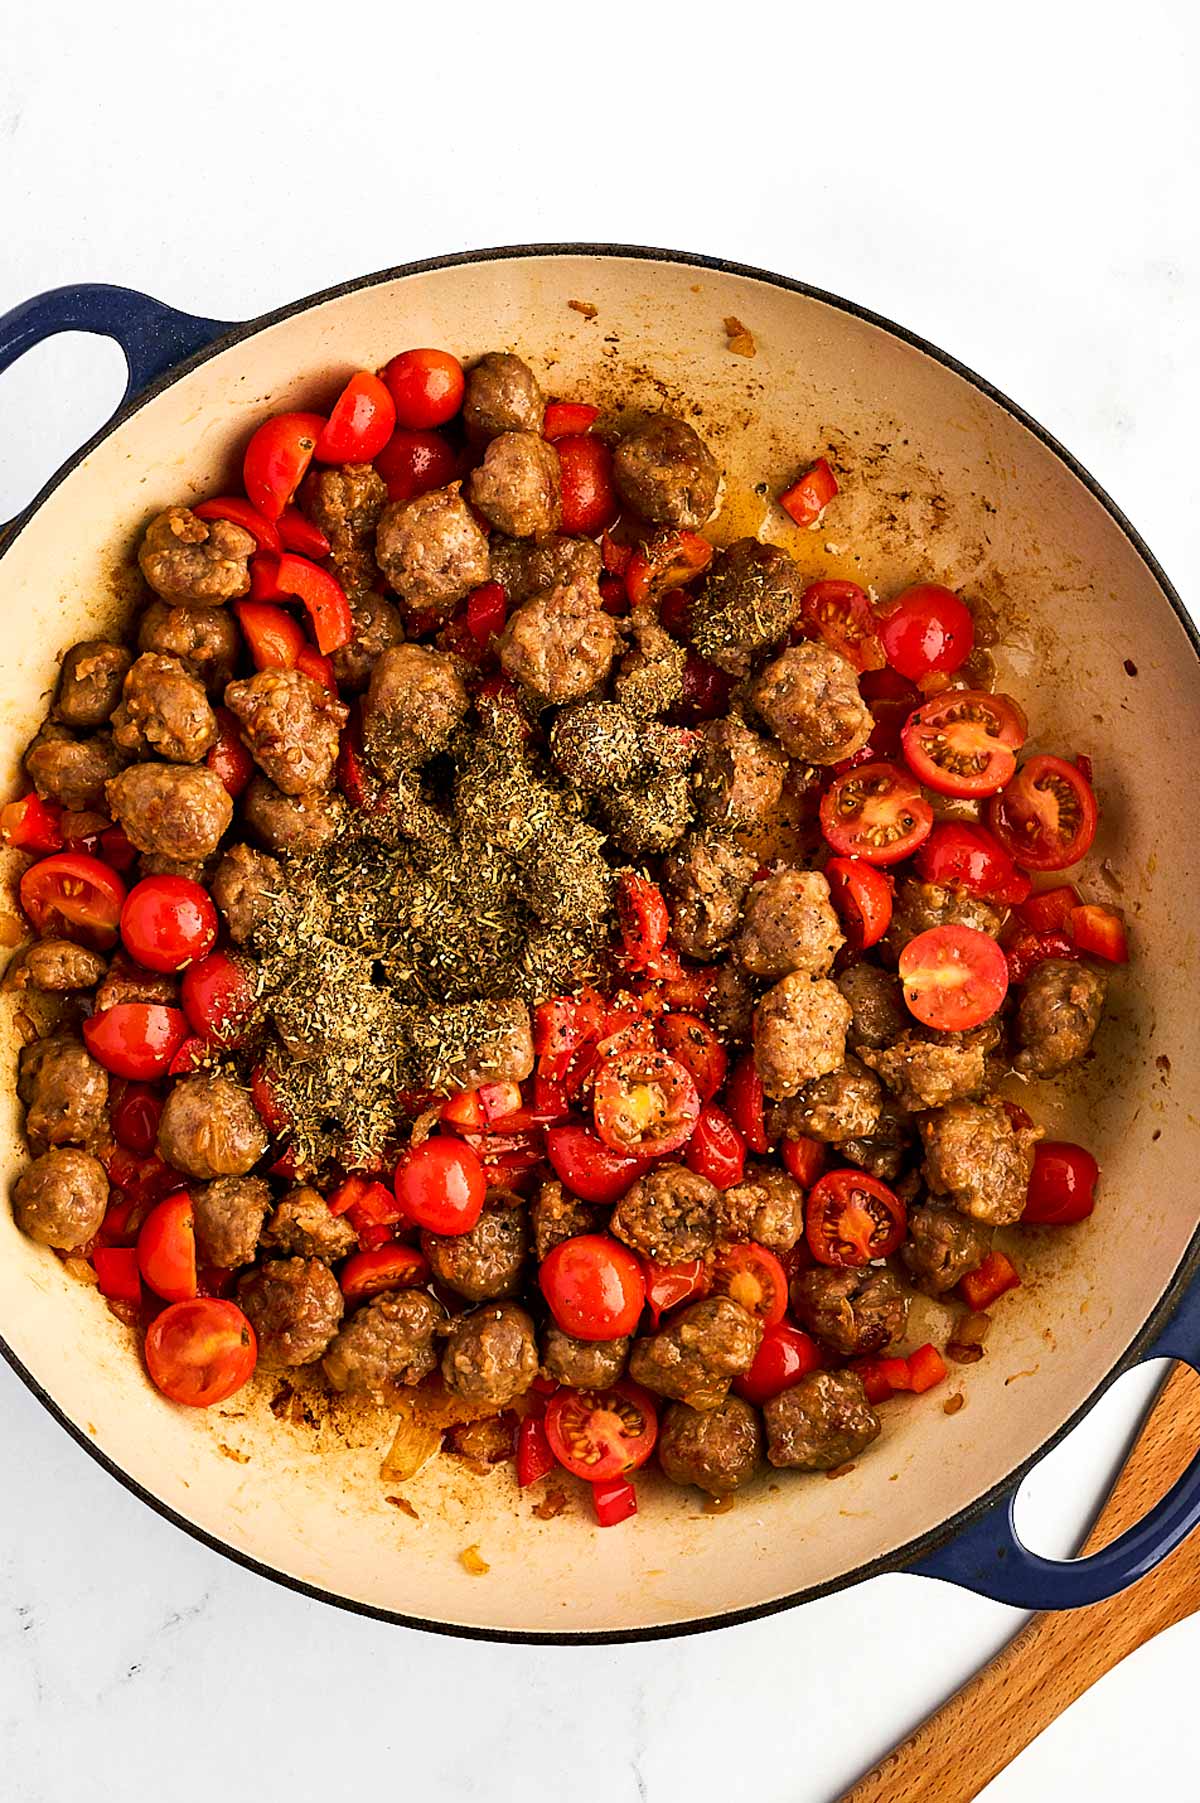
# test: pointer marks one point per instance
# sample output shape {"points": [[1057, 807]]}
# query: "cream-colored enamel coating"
{"points": [[939, 483]]}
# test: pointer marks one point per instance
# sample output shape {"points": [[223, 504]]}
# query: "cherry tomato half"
{"points": [[388, 1267], [716, 1149], [691, 1042], [566, 419], [669, 1285], [588, 1167], [1046, 816], [599, 1434], [167, 922], [440, 1185], [166, 1248], [875, 812], [1062, 1187], [411, 463], [851, 1218], [954, 977], [644, 1102], [965, 741], [426, 387], [961, 855], [360, 424], [277, 458], [668, 561], [862, 897], [589, 500], [200, 1352], [218, 997], [785, 1355], [594, 1287], [841, 616], [136, 1039], [73, 896], [926, 630], [746, 1103], [753, 1276]]}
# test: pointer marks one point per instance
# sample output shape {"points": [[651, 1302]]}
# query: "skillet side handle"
{"points": [[988, 1558]]}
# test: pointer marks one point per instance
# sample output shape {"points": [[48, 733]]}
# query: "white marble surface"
{"points": [[1018, 184]]}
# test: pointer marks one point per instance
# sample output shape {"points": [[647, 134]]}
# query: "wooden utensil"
{"points": [[982, 1728]]}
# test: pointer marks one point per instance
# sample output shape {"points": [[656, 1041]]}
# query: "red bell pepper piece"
{"points": [[298, 533], [807, 499], [1030, 949], [615, 1500], [264, 578], [669, 1285], [487, 610], [996, 1275], [746, 1104], [882, 1378], [231, 507], [805, 1160], [926, 1367], [319, 668], [534, 1457], [117, 1273], [1100, 932], [117, 849], [464, 1109], [274, 638], [323, 596], [1049, 910], [228, 757], [32, 824]]}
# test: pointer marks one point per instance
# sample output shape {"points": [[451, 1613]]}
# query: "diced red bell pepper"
{"points": [[463, 1109], [807, 499], [264, 574], [562, 419], [323, 596], [645, 921], [690, 989], [375, 1206], [996, 1275], [615, 1501], [882, 1378], [550, 1099], [228, 758], [117, 1273], [346, 1194], [805, 1160], [299, 534], [319, 668], [534, 1457], [499, 1101], [1028, 950], [1100, 932], [669, 1285], [355, 778], [233, 508], [561, 1027], [926, 1367], [274, 638], [1049, 910], [32, 824]]}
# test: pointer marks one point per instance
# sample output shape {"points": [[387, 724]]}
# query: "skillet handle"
{"points": [[988, 1558], [153, 337]]}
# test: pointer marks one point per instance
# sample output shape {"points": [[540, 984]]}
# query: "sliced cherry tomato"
{"points": [[166, 1248], [200, 1352], [644, 1102], [1062, 1188], [876, 812], [567, 419], [231, 507], [1027, 950], [785, 1355], [594, 1287], [862, 897], [960, 855], [426, 386], [167, 922], [965, 741], [588, 1167], [117, 1274], [1049, 911], [562, 1027], [277, 458], [804, 1159], [643, 918], [73, 896], [994, 1278], [667, 1286], [136, 1039], [534, 1457], [746, 1103], [135, 1116], [691, 1042], [806, 500], [192, 1055], [298, 533], [926, 631], [360, 424], [954, 977], [218, 998], [614, 1500], [601, 1434], [851, 1218], [589, 500], [389, 1267], [323, 597], [440, 1185], [926, 1367], [1100, 932], [412, 463], [274, 638], [753, 1276], [716, 1149], [841, 616], [227, 756], [1046, 816], [670, 560], [32, 824]]}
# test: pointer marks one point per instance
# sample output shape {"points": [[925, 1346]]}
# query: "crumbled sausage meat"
{"points": [[820, 1423], [61, 1199], [718, 1449], [244, 886], [665, 471], [491, 1355], [229, 1213], [290, 725], [799, 1033], [203, 562], [164, 711], [695, 1357], [377, 627], [668, 1215], [515, 488], [750, 597], [57, 965], [294, 1306], [878, 1014], [501, 395], [927, 1072], [388, 1342], [978, 1159], [1057, 1016], [303, 1226], [854, 1312], [706, 880], [415, 700], [174, 810], [789, 924], [431, 550], [556, 1215], [210, 1128], [809, 698], [89, 683], [842, 1105], [942, 1247]]}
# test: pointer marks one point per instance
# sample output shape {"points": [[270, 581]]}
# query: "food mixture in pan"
{"points": [[568, 983]]}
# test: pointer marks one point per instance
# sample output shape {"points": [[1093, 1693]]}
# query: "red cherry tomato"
{"points": [[644, 1102], [441, 1185], [277, 458], [487, 610], [862, 896], [167, 922], [716, 1149], [218, 997], [73, 896], [954, 977], [227, 756], [705, 692], [643, 918], [589, 1168], [1100, 932], [785, 1355], [807, 499], [361, 422], [669, 1285], [166, 1248], [412, 463], [298, 533], [875, 812], [926, 630], [667, 563], [841, 616], [232, 507], [964, 742], [323, 597], [753, 1276], [388, 1267], [426, 386], [31, 824], [566, 419], [851, 1219], [200, 1352], [1046, 817], [135, 1118], [746, 1103], [804, 1159], [589, 500], [136, 1039], [601, 1434], [960, 855], [594, 1287], [691, 1042], [1049, 911], [1062, 1188]]}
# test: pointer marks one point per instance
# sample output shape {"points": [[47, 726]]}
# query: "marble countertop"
{"points": [[1020, 188]]}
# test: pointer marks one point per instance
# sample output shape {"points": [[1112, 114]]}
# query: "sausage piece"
{"points": [[346, 503], [89, 683], [172, 810], [202, 562], [294, 1306], [209, 1128], [164, 711], [942, 1247], [738, 776], [560, 644], [843, 1105], [501, 395], [1057, 1016], [303, 1226], [245, 885], [878, 1014], [789, 924], [809, 698], [665, 472], [377, 627], [706, 880], [432, 551], [731, 1004], [820, 1423], [695, 1357], [65, 1093], [668, 1215], [718, 1449], [415, 700], [491, 1355], [486, 1262], [854, 1312], [799, 1033], [750, 597], [978, 1160], [390, 1341], [61, 1199], [56, 965], [920, 906], [294, 825], [204, 639], [556, 1215], [583, 1364], [766, 1205], [516, 487], [928, 1073], [291, 726], [74, 772], [228, 1214], [526, 568]]}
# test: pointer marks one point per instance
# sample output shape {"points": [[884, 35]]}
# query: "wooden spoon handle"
{"points": [[973, 1736]]}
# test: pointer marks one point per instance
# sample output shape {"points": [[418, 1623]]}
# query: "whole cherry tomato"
{"points": [[594, 1287], [440, 1185], [167, 922], [926, 630], [136, 1039], [426, 386]]}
